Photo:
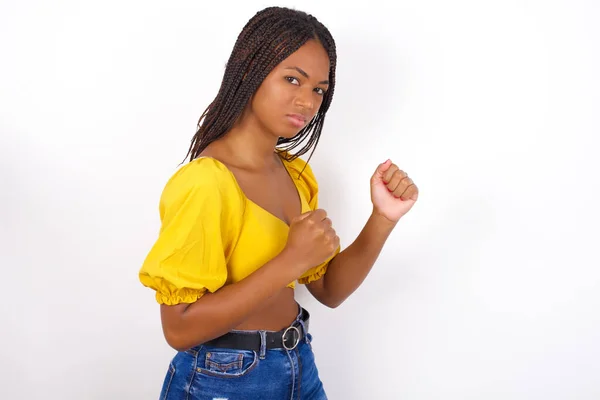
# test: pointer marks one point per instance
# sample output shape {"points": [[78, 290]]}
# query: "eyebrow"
{"points": [[326, 82]]}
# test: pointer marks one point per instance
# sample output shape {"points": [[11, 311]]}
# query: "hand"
{"points": [[311, 239], [393, 193]]}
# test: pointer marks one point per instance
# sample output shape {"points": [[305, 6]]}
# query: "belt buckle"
{"points": [[283, 337]]}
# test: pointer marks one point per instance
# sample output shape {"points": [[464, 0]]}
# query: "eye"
{"points": [[292, 80], [320, 91]]}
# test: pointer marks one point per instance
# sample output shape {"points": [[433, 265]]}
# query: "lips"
{"points": [[298, 120]]}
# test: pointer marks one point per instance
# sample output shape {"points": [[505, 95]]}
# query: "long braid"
{"points": [[268, 38]]}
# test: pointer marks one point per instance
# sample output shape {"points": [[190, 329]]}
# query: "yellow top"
{"points": [[212, 235]]}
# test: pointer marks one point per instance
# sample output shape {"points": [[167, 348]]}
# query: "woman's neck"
{"points": [[252, 146]]}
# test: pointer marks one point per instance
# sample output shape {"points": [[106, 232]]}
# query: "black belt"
{"points": [[287, 338]]}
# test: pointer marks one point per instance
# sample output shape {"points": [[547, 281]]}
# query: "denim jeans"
{"points": [[211, 373]]}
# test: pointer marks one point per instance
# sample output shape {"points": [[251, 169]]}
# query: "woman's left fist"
{"points": [[393, 193]]}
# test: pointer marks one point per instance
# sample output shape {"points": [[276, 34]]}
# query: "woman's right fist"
{"points": [[311, 239]]}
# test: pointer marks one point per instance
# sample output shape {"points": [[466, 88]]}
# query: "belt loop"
{"points": [[300, 320], [263, 344], [303, 330]]}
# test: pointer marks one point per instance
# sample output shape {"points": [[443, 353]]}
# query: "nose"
{"points": [[304, 100]]}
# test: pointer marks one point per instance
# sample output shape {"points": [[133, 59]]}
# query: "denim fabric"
{"points": [[210, 373]]}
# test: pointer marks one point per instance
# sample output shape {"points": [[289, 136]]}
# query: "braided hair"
{"points": [[271, 36]]}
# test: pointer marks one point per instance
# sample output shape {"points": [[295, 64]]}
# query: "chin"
{"points": [[287, 133]]}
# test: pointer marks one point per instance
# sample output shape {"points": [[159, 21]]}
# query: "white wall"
{"points": [[488, 289]]}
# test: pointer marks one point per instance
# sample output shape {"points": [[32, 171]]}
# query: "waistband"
{"points": [[261, 340]]}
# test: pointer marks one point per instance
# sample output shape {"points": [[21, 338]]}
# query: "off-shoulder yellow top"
{"points": [[212, 235]]}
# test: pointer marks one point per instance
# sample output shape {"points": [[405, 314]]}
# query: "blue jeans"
{"points": [[212, 373]]}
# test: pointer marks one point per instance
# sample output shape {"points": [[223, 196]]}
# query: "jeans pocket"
{"points": [[227, 363], [167, 382]]}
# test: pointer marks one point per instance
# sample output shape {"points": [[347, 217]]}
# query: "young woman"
{"points": [[241, 223]]}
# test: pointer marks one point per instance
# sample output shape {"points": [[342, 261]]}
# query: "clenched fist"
{"points": [[311, 239], [393, 192]]}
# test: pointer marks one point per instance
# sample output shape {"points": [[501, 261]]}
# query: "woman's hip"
{"points": [[248, 365]]}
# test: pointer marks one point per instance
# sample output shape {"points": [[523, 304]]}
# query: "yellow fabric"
{"points": [[212, 235]]}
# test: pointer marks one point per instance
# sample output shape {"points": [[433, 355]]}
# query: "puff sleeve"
{"points": [[199, 219], [311, 190]]}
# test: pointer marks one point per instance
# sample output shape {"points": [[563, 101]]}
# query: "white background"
{"points": [[489, 287]]}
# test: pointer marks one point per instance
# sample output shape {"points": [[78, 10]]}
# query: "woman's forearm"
{"points": [[349, 268]]}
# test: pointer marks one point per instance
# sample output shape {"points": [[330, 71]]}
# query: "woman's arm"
{"points": [[393, 194], [348, 269], [311, 240], [214, 314]]}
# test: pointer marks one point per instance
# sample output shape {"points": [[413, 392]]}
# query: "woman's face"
{"points": [[292, 93]]}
